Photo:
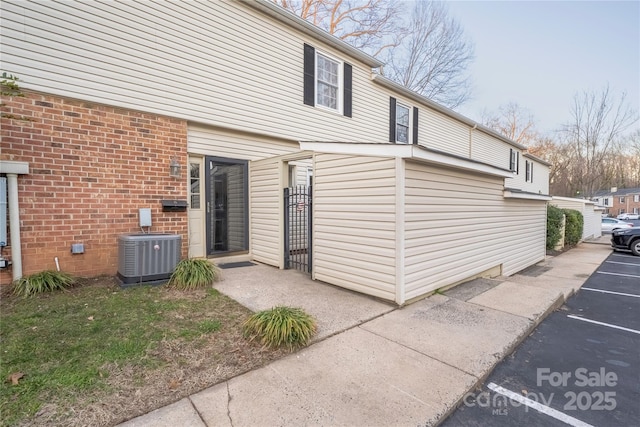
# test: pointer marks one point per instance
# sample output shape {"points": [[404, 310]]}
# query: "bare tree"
{"points": [[428, 55], [370, 25], [514, 122], [594, 135], [433, 58]]}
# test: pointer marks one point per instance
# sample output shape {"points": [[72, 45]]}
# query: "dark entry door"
{"points": [[227, 205]]}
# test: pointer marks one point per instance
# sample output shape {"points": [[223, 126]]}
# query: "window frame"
{"points": [[528, 171], [340, 82], [621, 200], [400, 105]]}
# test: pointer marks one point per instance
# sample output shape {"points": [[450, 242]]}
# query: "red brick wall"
{"points": [[628, 205], [91, 168]]}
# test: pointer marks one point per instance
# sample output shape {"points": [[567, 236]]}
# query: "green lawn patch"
{"points": [[82, 347]]}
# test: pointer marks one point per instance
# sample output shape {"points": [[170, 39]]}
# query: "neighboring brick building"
{"points": [[618, 200], [91, 168]]}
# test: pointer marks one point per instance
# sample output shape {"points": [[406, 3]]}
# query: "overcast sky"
{"points": [[540, 53]]}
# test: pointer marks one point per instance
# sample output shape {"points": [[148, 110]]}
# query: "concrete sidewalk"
{"points": [[408, 366]]}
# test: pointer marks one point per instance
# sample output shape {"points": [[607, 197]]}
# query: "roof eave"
{"points": [[281, 14]]}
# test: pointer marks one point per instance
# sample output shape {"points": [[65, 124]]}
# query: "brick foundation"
{"points": [[91, 167]]}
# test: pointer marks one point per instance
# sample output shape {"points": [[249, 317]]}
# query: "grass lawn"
{"points": [[98, 354]]}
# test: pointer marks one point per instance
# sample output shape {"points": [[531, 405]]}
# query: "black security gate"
{"points": [[297, 228]]}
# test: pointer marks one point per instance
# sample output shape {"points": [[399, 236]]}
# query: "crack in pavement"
{"points": [[229, 405]]}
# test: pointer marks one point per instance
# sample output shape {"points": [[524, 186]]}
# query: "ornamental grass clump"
{"points": [[193, 273], [280, 326], [45, 281]]}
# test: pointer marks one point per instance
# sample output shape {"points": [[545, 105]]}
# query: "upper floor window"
{"points": [[327, 82], [606, 201], [636, 198], [622, 200], [514, 160], [529, 171], [402, 124]]}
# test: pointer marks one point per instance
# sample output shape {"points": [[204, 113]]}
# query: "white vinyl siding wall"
{"points": [[218, 142], [266, 211], [488, 149], [540, 184], [354, 223], [210, 62], [459, 225], [443, 133], [592, 218]]}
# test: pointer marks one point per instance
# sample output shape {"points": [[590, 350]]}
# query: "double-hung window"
{"points": [[402, 124], [327, 82], [622, 199]]}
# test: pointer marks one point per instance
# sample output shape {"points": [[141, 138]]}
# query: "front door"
{"points": [[227, 208]]}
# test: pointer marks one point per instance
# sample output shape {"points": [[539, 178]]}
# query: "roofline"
{"points": [[572, 199], [537, 159], [390, 84], [285, 16], [406, 151], [514, 193]]}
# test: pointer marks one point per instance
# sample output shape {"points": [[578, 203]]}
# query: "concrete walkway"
{"points": [[380, 365]]}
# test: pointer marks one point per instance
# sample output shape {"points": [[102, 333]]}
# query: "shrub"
{"points": [[573, 227], [554, 226], [280, 326], [45, 281], [193, 273]]}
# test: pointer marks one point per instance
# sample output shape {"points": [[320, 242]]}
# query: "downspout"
{"points": [[14, 225], [471, 140], [12, 169]]}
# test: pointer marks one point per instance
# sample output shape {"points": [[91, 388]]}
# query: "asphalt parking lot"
{"points": [[580, 367]]}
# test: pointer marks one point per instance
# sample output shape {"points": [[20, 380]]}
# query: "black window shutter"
{"points": [[348, 96], [517, 162], [511, 160], [415, 125], [531, 171], [309, 75], [392, 119]]}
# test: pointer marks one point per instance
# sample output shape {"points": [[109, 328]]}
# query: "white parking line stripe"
{"points": [[624, 255], [603, 324], [623, 263], [611, 292], [618, 274], [538, 406]]}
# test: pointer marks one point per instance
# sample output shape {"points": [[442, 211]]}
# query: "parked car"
{"points": [[612, 224], [629, 215], [626, 240]]}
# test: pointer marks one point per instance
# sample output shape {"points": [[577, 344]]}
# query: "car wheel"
{"points": [[635, 247]]}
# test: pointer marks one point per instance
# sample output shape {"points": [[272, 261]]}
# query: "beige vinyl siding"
{"points": [[218, 142], [354, 223], [525, 237], [488, 149], [443, 133], [266, 211], [219, 63], [459, 225]]}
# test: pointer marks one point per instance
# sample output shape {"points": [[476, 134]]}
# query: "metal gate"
{"points": [[297, 228]]}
